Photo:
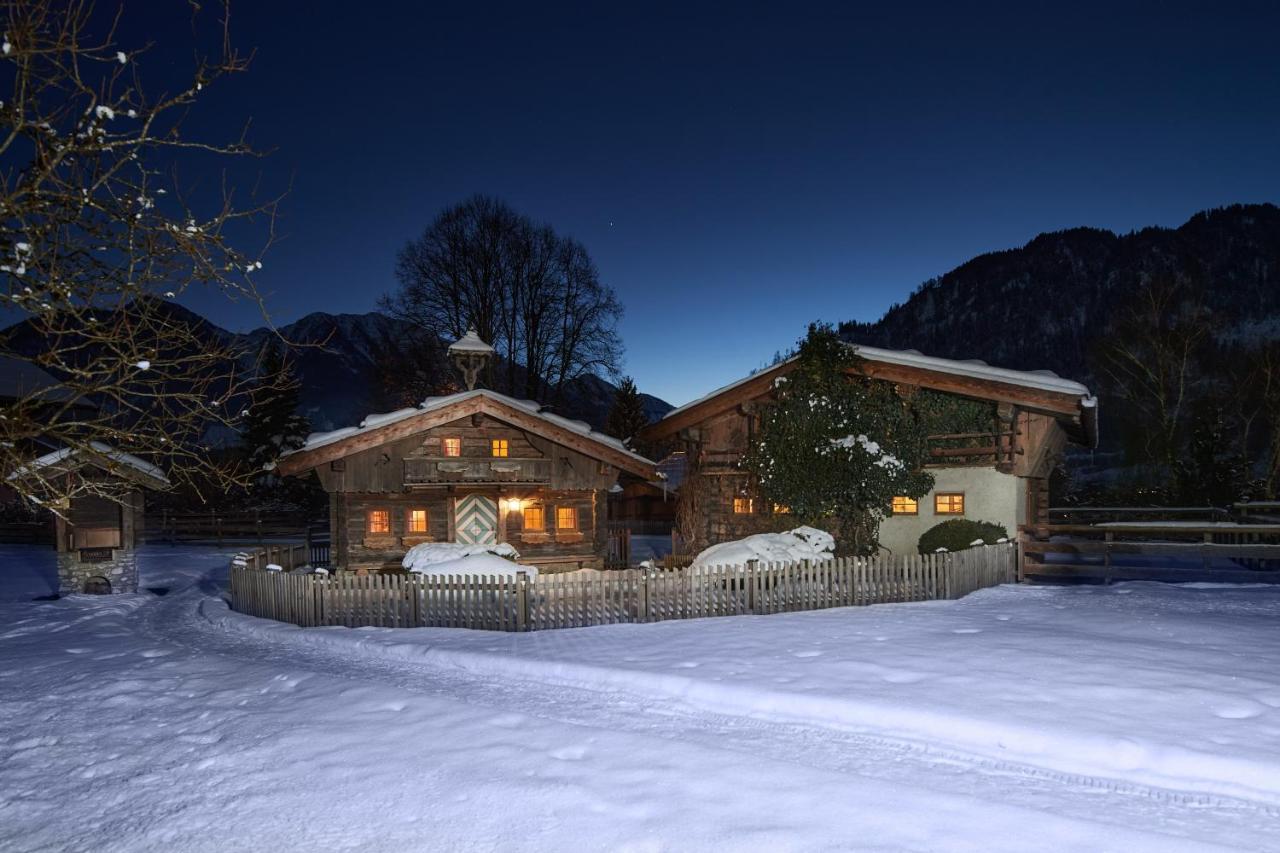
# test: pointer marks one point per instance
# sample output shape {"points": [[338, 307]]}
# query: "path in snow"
{"points": [[133, 723]]}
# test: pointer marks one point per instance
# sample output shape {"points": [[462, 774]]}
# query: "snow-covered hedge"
{"points": [[456, 558], [794, 546]]}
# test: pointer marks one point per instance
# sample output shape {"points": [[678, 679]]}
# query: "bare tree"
{"points": [[533, 294], [98, 235], [1150, 359]]}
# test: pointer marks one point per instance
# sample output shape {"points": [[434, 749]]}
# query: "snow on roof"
{"points": [[470, 342], [1041, 380], [117, 456], [431, 404]]}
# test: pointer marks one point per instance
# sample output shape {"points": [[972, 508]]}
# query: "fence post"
{"points": [[642, 596], [946, 575], [522, 601]]}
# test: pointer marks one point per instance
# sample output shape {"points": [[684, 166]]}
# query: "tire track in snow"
{"points": [[1204, 817]]}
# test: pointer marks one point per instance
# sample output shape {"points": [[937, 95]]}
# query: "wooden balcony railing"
{"points": [[463, 470]]}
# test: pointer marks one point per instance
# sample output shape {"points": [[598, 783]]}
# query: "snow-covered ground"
{"points": [[1133, 717]]}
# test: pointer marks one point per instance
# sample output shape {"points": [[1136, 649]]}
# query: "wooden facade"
{"points": [[1031, 427], [478, 468]]}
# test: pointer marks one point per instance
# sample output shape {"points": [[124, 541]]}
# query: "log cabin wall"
{"points": [[415, 473]]}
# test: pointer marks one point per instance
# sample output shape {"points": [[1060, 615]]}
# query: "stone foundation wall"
{"points": [[121, 571]]}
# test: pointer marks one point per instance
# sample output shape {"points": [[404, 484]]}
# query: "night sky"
{"points": [[738, 174]]}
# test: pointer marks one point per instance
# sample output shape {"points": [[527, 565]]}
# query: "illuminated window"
{"points": [[566, 518], [453, 447], [948, 503], [535, 518], [905, 506], [416, 521], [379, 521], [742, 505], [781, 509], [499, 446]]}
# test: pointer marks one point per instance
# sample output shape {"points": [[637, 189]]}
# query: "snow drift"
{"points": [[794, 546], [456, 558]]}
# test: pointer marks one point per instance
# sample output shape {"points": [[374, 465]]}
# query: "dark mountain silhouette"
{"points": [[334, 362], [1046, 304]]}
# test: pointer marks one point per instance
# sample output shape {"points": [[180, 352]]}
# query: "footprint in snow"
{"points": [[1003, 618], [75, 651], [966, 631], [807, 653], [154, 653], [688, 664]]}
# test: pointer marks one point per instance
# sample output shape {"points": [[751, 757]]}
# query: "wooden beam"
{"points": [[479, 405], [1056, 403]]}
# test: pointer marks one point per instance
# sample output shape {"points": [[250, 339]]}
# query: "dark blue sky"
{"points": [[737, 173]]}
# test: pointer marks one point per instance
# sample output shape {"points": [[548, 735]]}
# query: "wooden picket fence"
{"points": [[578, 599]]}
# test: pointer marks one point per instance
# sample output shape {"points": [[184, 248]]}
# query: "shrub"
{"points": [[959, 533]]}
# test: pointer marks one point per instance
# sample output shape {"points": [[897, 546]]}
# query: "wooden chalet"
{"points": [[473, 467], [999, 475]]}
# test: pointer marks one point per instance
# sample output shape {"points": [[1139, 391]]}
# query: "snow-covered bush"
{"points": [[794, 546], [456, 558], [959, 534]]}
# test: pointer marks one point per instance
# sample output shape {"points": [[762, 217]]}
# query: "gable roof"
{"points": [[1036, 390], [374, 430], [99, 455]]}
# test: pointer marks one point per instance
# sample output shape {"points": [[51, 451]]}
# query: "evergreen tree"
{"points": [[627, 416], [272, 424], [836, 448]]}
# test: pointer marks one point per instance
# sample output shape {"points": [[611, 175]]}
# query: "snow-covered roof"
{"points": [[1040, 380], [470, 342], [431, 404], [105, 451]]}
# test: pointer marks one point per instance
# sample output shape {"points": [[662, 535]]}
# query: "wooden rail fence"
{"points": [[577, 599], [1171, 552]]}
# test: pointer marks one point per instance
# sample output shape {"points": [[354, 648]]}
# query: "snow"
{"points": [[871, 448], [1135, 717], [1039, 380], [456, 558], [143, 365], [470, 342], [794, 546], [121, 58], [431, 404], [476, 564], [119, 457]]}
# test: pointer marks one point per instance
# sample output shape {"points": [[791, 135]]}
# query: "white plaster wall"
{"points": [[989, 495]]}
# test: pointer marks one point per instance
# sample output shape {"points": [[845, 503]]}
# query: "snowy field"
{"points": [[1132, 717]]}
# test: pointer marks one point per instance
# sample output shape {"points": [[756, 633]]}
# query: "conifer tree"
{"points": [[626, 416], [836, 448], [272, 424]]}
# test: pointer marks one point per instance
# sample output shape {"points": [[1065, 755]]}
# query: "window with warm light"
{"points": [[453, 447], [742, 506], [948, 503], [566, 518], [534, 518], [905, 506], [781, 509], [380, 521], [416, 521], [498, 446]]}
